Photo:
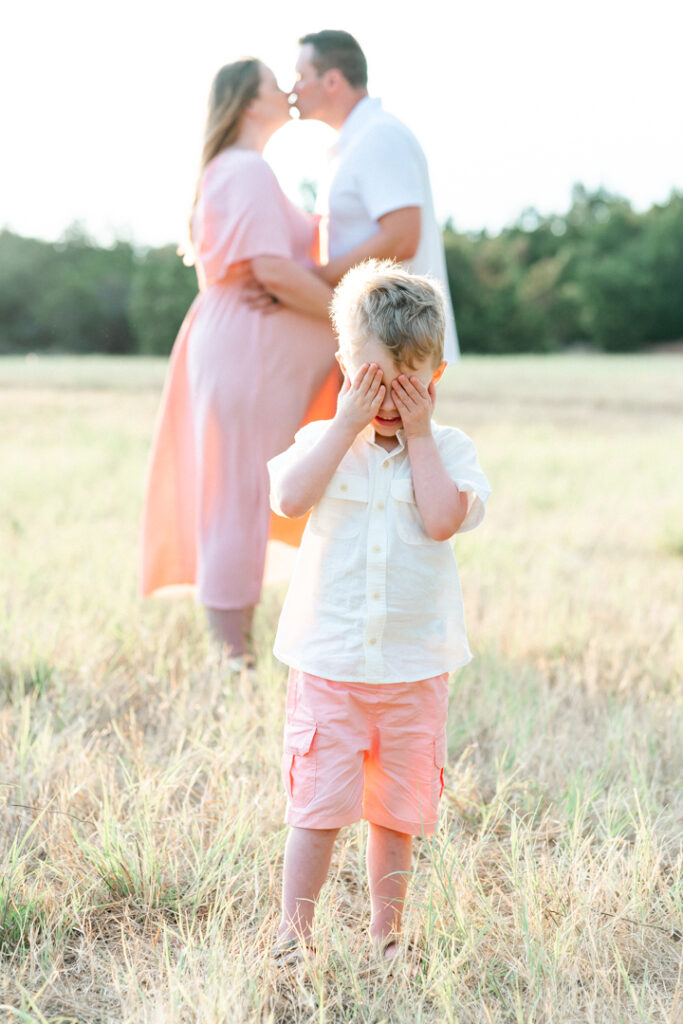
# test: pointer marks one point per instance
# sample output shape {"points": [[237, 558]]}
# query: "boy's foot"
{"points": [[394, 953], [390, 950], [389, 947]]}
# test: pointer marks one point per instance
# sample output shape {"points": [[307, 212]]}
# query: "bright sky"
{"points": [[103, 104]]}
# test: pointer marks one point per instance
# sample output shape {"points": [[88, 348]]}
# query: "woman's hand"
{"points": [[360, 401], [256, 296], [284, 283], [415, 404]]}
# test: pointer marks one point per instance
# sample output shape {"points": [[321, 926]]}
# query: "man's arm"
{"points": [[442, 505], [291, 284], [303, 484], [397, 237]]}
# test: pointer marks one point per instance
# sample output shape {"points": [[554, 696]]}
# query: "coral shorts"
{"points": [[357, 750]]}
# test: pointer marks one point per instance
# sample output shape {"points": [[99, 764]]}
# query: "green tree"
{"points": [[70, 296], [485, 276], [163, 290], [24, 263], [632, 290]]}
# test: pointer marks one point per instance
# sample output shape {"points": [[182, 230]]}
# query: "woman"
{"points": [[240, 382]]}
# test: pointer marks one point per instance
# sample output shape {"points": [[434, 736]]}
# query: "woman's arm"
{"points": [[292, 285]]}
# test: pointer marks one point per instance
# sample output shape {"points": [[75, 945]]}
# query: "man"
{"points": [[376, 200]]}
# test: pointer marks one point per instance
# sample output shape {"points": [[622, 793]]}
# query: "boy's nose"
{"points": [[388, 411]]}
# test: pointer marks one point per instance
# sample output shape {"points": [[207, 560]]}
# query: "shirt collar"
{"points": [[367, 434], [361, 113]]}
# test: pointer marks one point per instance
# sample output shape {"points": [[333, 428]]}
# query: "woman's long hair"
{"points": [[232, 90]]}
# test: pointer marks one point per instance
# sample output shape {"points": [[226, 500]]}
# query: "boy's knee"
{"points": [[316, 833], [389, 832]]}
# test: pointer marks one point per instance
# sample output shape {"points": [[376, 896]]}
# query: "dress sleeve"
{"points": [[392, 177], [462, 465], [304, 439], [242, 213]]}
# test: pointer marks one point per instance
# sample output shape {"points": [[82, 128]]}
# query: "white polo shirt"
{"points": [[376, 166], [373, 599]]}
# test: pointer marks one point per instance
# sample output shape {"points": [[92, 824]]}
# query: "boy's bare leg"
{"points": [[307, 861], [231, 627], [389, 862]]}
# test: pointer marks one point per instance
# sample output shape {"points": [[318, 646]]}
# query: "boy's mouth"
{"points": [[387, 423]]}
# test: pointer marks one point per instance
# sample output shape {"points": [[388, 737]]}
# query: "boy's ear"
{"points": [[340, 359], [439, 372]]}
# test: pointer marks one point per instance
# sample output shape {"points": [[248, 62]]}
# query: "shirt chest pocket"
{"points": [[342, 510], [409, 525]]}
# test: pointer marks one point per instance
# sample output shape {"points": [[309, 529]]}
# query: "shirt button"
{"points": [[343, 487], [375, 597], [377, 548], [380, 505], [372, 641], [385, 464]]}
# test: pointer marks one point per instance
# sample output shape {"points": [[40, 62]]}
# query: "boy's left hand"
{"points": [[415, 404]]}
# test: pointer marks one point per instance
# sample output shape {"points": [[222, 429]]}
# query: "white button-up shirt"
{"points": [[373, 598], [377, 166]]}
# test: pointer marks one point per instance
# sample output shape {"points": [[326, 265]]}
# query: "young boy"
{"points": [[373, 620]]}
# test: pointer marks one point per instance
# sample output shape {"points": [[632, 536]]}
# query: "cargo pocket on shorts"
{"points": [[439, 764], [299, 764]]}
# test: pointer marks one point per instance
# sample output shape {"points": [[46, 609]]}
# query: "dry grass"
{"points": [[141, 830]]}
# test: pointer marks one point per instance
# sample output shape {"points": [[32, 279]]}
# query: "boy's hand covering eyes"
{"points": [[415, 404], [360, 400]]}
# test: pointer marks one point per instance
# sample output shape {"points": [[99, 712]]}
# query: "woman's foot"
{"points": [[239, 663]]}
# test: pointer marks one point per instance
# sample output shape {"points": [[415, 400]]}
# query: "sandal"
{"points": [[239, 663], [291, 953]]}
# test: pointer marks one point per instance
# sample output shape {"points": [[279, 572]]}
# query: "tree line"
{"points": [[600, 275]]}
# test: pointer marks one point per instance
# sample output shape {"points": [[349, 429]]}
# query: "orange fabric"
{"points": [[169, 555]]}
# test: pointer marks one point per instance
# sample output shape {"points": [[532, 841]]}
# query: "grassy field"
{"points": [[141, 831]]}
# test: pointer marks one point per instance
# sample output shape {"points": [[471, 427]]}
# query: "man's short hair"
{"points": [[380, 301], [336, 49]]}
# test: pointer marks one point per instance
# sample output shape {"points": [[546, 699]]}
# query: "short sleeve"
{"points": [[304, 440], [392, 177], [462, 465], [241, 213]]}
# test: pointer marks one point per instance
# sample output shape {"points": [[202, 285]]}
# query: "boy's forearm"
{"points": [[442, 506], [304, 483]]}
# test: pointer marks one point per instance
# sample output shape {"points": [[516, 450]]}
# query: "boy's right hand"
{"points": [[360, 401]]}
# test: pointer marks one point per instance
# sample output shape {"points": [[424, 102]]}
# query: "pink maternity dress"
{"points": [[240, 383]]}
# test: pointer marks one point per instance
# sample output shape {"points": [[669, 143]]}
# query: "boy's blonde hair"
{"points": [[380, 301]]}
